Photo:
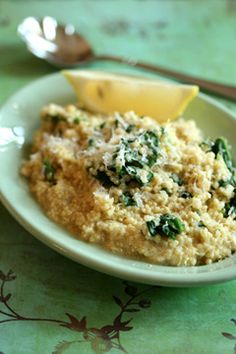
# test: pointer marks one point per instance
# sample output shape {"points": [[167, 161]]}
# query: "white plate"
{"points": [[19, 118]]}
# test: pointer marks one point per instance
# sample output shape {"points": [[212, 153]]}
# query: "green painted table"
{"points": [[49, 304]]}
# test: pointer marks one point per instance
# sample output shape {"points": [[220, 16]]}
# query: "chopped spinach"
{"points": [[152, 141], [136, 165], [166, 190], [140, 179], [177, 179], [206, 145], [129, 128], [132, 160], [201, 224], [102, 125], [153, 227], [225, 183], [220, 147], [48, 171], [186, 195], [151, 138], [55, 118], [76, 120], [163, 131], [168, 225], [116, 123], [104, 179], [149, 176], [128, 200], [90, 142], [230, 207]]}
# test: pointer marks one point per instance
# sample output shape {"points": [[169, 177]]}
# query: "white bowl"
{"points": [[19, 118]]}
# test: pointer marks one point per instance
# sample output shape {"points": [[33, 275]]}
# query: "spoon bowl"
{"points": [[57, 44]]}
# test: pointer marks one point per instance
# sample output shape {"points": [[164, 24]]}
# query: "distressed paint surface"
{"points": [[197, 37]]}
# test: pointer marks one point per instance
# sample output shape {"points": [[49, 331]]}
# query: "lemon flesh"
{"points": [[107, 93]]}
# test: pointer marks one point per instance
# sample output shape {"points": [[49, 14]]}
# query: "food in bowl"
{"points": [[159, 193]]}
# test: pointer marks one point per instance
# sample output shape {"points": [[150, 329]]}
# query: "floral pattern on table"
{"points": [[101, 340]]}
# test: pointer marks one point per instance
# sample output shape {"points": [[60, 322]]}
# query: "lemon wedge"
{"points": [[106, 93]]}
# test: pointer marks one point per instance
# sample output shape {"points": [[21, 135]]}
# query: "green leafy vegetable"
{"points": [[102, 125], [225, 183], [201, 224], [149, 176], [136, 165], [76, 120], [176, 179], [90, 142], [230, 207], [132, 160], [186, 195], [128, 200], [166, 190], [168, 225], [116, 123], [55, 118], [129, 128], [206, 145], [48, 171], [220, 147], [163, 131], [104, 179], [153, 227]]}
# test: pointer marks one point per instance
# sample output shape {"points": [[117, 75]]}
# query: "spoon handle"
{"points": [[226, 91]]}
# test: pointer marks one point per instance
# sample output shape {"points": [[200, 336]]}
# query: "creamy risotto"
{"points": [[159, 193]]}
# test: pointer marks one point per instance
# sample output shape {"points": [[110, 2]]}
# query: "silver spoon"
{"points": [[62, 47]]}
